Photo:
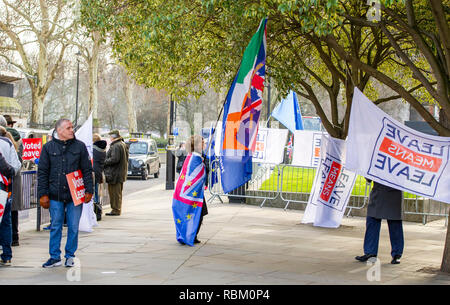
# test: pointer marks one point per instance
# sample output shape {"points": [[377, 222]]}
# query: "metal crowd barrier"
{"points": [[30, 198], [425, 208], [303, 177], [262, 185], [293, 184]]}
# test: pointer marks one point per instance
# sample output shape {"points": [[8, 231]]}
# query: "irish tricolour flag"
{"points": [[241, 113]]}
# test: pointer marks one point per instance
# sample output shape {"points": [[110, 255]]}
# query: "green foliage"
{"points": [[160, 142], [177, 45]]}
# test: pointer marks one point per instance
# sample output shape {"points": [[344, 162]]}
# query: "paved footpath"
{"points": [[241, 244]]}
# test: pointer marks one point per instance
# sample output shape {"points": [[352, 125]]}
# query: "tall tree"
{"points": [[36, 30]]}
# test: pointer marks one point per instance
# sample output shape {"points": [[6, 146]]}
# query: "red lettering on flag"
{"points": [[331, 180], [410, 157]]}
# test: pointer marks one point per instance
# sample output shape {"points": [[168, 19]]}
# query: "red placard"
{"points": [[76, 185], [31, 148]]}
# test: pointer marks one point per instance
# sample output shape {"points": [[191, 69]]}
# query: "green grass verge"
{"points": [[300, 180]]}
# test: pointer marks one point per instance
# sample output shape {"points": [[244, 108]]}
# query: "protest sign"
{"points": [[31, 148], [332, 186], [270, 143], [388, 152], [307, 145], [76, 186]]}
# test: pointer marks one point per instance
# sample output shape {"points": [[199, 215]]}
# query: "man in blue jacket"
{"points": [[59, 157]]}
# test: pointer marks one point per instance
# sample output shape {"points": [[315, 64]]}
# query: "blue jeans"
{"points": [[73, 215], [6, 232], [372, 236], [96, 199]]}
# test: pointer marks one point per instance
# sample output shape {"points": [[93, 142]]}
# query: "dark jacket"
{"points": [[206, 163], [385, 202], [99, 155], [59, 158], [181, 156], [116, 163]]}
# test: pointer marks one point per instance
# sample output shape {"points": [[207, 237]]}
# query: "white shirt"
{"points": [[9, 153]]}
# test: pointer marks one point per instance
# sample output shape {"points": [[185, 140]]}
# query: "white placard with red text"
{"points": [[332, 186]]}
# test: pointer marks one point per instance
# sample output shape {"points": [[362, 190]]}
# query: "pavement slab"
{"points": [[241, 244]]}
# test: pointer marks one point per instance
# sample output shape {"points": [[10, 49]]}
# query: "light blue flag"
{"points": [[288, 113]]}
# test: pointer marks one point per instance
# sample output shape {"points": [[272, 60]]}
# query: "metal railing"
{"points": [[293, 184], [31, 201], [262, 185], [425, 208]]}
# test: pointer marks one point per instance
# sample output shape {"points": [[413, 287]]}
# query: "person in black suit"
{"points": [[384, 203]]}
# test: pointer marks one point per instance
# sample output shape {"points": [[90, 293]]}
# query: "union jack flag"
{"points": [[252, 106], [290, 147], [188, 199]]}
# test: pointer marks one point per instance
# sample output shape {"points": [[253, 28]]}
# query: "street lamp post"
{"points": [[170, 153], [78, 81]]}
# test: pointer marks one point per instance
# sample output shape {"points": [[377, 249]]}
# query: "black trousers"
{"points": [[199, 225]]}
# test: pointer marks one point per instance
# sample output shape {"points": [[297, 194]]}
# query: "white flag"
{"points": [[307, 145], [88, 218], [269, 146], [388, 152], [332, 186]]}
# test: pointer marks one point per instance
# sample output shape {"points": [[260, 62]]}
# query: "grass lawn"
{"points": [[300, 180]]}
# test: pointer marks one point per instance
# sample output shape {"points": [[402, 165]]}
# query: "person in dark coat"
{"points": [[116, 168], [384, 203], [181, 154], [63, 155], [99, 156]]}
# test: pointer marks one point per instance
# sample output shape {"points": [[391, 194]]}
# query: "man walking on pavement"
{"points": [[116, 166], [59, 157]]}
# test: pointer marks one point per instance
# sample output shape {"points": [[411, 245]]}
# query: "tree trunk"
{"points": [[37, 106], [93, 77], [132, 123], [445, 266]]}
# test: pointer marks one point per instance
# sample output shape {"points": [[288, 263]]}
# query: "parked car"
{"points": [[143, 158]]}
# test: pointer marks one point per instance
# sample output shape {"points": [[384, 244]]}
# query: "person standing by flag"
{"points": [[189, 205], [384, 203]]}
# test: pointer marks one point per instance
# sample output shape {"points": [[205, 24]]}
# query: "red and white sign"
{"points": [[2, 210], [3, 198], [332, 186], [31, 148], [76, 185]]}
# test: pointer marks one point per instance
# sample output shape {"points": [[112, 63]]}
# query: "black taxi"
{"points": [[143, 158]]}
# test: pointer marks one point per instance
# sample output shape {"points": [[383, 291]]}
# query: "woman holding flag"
{"points": [[189, 205]]}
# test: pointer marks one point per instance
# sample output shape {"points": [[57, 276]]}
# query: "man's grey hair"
{"points": [[60, 122], [3, 121]]}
